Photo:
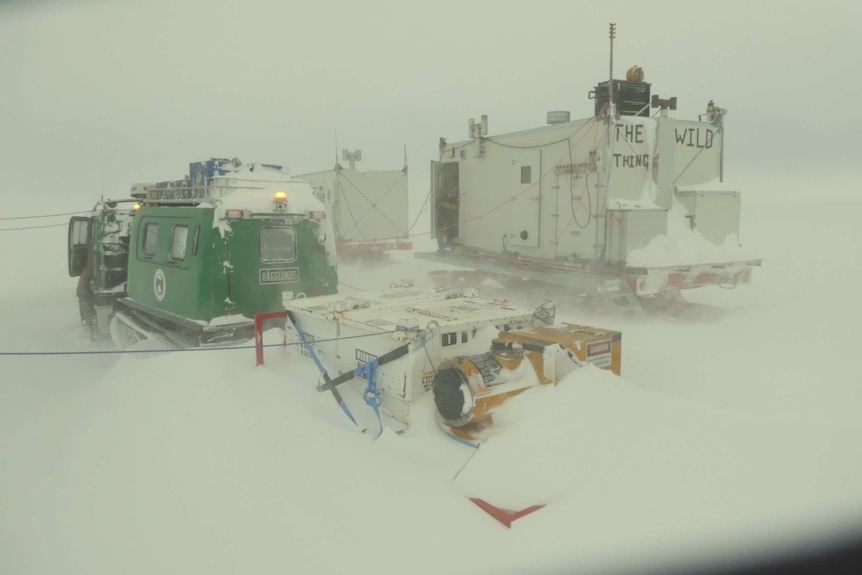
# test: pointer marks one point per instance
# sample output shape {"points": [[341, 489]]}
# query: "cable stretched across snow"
{"points": [[37, 216], [190, 349], [44, 215], [32, 228]]}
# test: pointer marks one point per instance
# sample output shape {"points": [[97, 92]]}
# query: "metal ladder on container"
{"points": [[616, 297]]}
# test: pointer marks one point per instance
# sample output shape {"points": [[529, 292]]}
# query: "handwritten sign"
{"points": [[633, 133], [694, 137]]}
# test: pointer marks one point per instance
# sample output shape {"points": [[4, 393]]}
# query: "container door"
{"points": [[436, 179], [445, 199], [526, 198]]}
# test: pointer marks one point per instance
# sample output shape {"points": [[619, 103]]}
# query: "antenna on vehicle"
{"points": [[405, 159], [612, 33]]}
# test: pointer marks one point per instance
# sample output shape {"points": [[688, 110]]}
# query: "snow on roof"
{"points": [[409, 306], [257, 193]]}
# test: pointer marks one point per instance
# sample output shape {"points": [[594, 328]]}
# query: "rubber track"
{"points": [[158, 336]]}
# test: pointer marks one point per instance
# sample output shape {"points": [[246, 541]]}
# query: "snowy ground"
{"points": [[726, 437]]}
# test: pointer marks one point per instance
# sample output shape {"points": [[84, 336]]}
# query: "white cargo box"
{"points": [[631, 229], [345, 332], [712, 212], [365, 205]]}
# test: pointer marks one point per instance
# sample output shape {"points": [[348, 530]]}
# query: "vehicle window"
{"points": [[80, 232], [197, 240], [151, 234], [277, 245], [179, 239]]}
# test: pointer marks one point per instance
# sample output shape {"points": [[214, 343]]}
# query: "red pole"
{"points": [[258, 332], [258, 339]]}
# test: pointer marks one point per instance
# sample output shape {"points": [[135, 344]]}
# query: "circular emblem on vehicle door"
{"points": [[159, 284]]}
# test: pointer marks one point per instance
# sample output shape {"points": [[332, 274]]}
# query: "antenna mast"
{"points": [[605, 175], [612, 32]]}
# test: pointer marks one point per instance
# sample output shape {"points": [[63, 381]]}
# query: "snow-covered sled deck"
{"points": [[471, 353]]}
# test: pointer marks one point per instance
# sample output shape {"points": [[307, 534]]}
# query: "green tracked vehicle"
{"points": [[195, 259]]}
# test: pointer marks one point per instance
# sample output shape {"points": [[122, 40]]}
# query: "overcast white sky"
{"points": [[100, 93]]}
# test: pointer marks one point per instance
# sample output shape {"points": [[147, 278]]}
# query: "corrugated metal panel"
{"points": [[631, 98]]}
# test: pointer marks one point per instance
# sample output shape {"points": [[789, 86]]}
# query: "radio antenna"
{"points": [[612, 33]]}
